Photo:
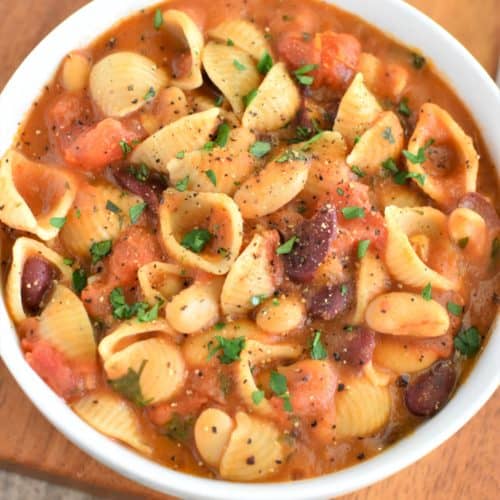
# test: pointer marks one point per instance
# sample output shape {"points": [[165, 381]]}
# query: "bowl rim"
{"points": [[15, 100]]}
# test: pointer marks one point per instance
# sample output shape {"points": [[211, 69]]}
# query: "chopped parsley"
{"points": [[291, 155], [145, 316], [58, 222], [141, 173], [307, 145], [418, 158], [301, 74], [344, 289], [390, 165], [129, 385], [123, 310], [454, 309], [219, 326], [265, 63], [340, 191], [179, 428], [350, 213], [219, 101], [182, 185], [260, 149], [387, 135], [427, 292], [126, 148], [357, 139], [196, 240], [356, 170], [468, 341], [229, 349], [222, 135], [150, 94], [403, 108], [257, 397], [158, 19], [247, 99], [363, 248], [401, 177], [208, 146], [180, 155], [287, 247], [136, 211], [68, 262], [229, 42], [279, 386], [112, 207], [318, 350], [99, 250], [417, 60], [79, 279], [239, 66], [212, 177]]}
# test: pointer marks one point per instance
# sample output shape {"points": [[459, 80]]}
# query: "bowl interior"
{"points": [[472, 85]]}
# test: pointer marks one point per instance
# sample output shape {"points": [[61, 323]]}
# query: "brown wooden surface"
{"points": [[466, 467]]}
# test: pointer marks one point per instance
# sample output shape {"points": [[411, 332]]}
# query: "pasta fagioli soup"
{"points": [[251, 240]]}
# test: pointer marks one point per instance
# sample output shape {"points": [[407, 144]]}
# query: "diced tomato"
{"points": [[161, 413], [66, 380], [339, 57], [296, 51], [67, 111], [95, 298], [99, 146]]}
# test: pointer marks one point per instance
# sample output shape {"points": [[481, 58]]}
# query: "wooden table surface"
{"points": [[466, 467]]}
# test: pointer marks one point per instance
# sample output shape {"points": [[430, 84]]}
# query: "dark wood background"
{"points": [[466, 467]]}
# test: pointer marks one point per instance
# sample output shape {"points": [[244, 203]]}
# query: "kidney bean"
{"points": [[478, 203], [353, 348], [150, 190], [430, 391], [330, 301], [36, 280], [314, 237]]}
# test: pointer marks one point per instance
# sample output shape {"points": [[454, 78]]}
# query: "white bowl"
{"points": [[472, 84]]}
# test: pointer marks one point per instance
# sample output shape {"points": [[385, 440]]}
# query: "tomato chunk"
{"points": [[296, 51], [99, 146]]}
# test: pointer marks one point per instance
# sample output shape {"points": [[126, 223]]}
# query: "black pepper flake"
{"points": [[251, 460], [340, 387], [402, 381], [360, 456]]}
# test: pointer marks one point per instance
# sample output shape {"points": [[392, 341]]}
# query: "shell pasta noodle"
{"points": [[247, 245]]}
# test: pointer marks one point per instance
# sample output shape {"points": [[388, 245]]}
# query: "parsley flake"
{"points": [[256, 300], [136, 211], [278, 384], [468, 341], [219, 101], [356, 170], [417, 60], [99, 250], [350, 213], [260, 149], [403, 108], [179, 428], [79, 279], [229, 42], [211, 175], [257, 397], [158, 19], [112, 207], [180, 155], [196, 240], [222, 135], [247, 99], [454, 309], [387, 135], [129, 385], [182, 185], [427, 292], [239, 66], [229, 349], [126, 148], [363, 248], [318, 350], [58, 222], [287, 247], [150, 94], [301, 74], [265, 63], [418, 158]]}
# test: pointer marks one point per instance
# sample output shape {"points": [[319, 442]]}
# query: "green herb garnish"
{"points": [[79, 279], [182, 185], [427, 292], [318, 350], [265, 63], [468, 341], [260, 149], [129, 385], [136, 211], [196, 240], [229, 349], [454, 309], [158, 19], [58, 222], [353, 212], [287, 247], [363, 248], [99, 250]]}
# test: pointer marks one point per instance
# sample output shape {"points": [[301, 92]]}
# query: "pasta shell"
{"points": [[23, 249], [111, 415], [357, 111], [281, 315], [328, 167], [231, 165], [383, 140], [182, 27], [196, 307], [272, 188], [375, 375], [64, 323], [244, 35], [276, 103], [212, 432], [186, 134], [451, 162], [253, 452], [160, 281], [401, 258], [119, 82], [129, 331], [256, 272], [196, 348], [388, 193], [232, 71], [163, 369], [257, 353], [372, 280], [90, 221], [362, 408], [403, 313], [464, 223], [403, 355], [33, 194], [180, 213]]}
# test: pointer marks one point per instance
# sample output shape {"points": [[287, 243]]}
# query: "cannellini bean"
{"points": [[403, 313], [281, 315], [468, 229], [75, 73], [196, 307], [212, 432]]}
